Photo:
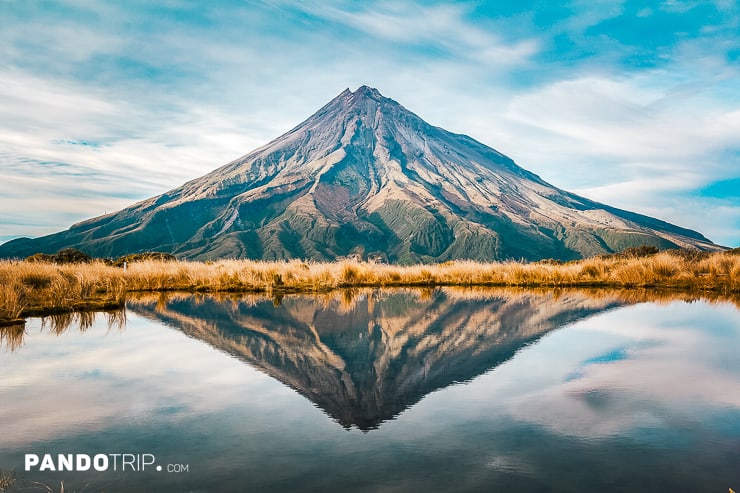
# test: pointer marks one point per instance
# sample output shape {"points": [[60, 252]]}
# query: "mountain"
{"points": [[365, 361], [366, 176]]}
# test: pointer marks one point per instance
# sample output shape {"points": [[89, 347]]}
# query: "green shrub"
{"points": [[64, 256], [142, 257], [641, 251]]}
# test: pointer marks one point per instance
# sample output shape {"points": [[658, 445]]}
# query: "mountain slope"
{"points": [[364, 175]]}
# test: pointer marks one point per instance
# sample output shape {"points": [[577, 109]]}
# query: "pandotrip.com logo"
{"points": [[126, 462]]}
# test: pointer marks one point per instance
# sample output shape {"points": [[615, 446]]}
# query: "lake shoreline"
{"points": [[44, 288], [103, 305]]}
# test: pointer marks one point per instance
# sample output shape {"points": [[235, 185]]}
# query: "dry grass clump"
{"points": [[40, 287], [6, 482], [669, 269], [28, 288]]}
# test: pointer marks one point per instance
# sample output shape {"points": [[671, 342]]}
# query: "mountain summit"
{"points": [[366, 176]]}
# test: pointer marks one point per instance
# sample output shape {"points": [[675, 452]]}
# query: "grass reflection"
{"points": [[12, 337]]}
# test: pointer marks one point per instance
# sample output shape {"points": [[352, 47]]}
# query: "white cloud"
{"points": [[51, 179], [628, 121], [630, 143], [436, 25], [680, 6], [587, 13]]}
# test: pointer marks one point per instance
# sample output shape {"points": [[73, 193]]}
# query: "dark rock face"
{"points": [[365, 176]]}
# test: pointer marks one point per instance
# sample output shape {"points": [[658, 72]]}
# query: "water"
{"points": [[392, 391]]}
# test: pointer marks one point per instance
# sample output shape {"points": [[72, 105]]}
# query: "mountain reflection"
{"points": [[364, 357]]}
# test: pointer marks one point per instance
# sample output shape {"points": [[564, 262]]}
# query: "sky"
{"points": [[105, 103]]}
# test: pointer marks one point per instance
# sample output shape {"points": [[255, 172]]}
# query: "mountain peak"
{"points": [[367, 91], [364, 99]]}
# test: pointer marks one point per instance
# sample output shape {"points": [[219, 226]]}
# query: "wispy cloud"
{"points": [[443, 27], [69, 153]]}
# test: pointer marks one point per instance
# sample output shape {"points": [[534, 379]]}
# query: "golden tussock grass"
{"points": [[44, 288], [6, 482], [41, 288]]}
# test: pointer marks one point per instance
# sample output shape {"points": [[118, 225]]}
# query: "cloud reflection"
{"points": [[647, 370]]}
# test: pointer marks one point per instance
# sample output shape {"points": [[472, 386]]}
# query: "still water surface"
{"points": [[382, 391]]}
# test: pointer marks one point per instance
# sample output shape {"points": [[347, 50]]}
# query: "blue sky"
{"points": [[635, 104]]}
